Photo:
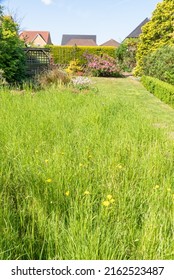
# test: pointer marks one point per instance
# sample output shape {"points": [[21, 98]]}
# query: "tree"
{"points": [[0, 10], [158, 32], [12, 57]]}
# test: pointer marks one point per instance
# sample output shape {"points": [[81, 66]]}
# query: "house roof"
{"points": [[138, 30], [111, 43], [29, 36], [68, 39], [81, 42]]}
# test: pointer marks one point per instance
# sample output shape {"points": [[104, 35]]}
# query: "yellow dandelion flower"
{"points": [[112, 200], [109, 196], [106, 203], [36, 151], [46, 160], [119, 166], [67, 193], [169, 189], [49, 180], [80, 164], [86, 193], [156, 187]]}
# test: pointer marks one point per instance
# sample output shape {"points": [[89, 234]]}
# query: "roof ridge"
{"points": [[140, 25]]}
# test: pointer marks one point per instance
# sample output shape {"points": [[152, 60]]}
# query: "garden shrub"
{"points": [[102, 66], [74, 68], [162, 90], [158, 32], [55, 76], [12, 57], [63, 55], [3, 81], [126, 54], [160, 64]]}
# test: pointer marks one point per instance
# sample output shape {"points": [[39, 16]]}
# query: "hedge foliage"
{"points": [[158, 32], [63, 55], [160, 64], [126, 54], [160, 89], [12, 57]]}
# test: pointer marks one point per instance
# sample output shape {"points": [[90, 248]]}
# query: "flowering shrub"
{"points": [[81, 83], [74, 67], [102, 66]]}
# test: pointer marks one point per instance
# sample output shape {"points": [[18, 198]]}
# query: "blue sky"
{"points": [[105, 18]]}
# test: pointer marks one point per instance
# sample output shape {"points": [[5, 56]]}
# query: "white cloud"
{"points": [[47, 2]]}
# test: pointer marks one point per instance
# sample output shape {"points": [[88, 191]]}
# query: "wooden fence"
{"points": [[37, 60]]}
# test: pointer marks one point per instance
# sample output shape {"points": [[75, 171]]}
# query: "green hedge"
{"points": [[64, 54], [162, 90], [160, 64]]}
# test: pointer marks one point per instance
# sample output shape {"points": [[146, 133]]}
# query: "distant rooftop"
{"points": [[30, 36], [81, 40], [138, 30], [111, 43]]}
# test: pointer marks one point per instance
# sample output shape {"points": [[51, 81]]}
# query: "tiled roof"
{"points": [[111, 43], [81, 42], [66, 38], [137, 31], [29, 36]]}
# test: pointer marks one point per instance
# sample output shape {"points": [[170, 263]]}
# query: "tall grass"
{"points": [[62, 154]]}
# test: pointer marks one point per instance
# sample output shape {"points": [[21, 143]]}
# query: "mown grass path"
{"points": [[160, 114], [87, 176]]}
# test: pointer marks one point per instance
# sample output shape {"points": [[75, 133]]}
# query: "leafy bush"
{"points": [[55, 76], [162, 90], [126, 54], [102, 66], [12, 57], [158, 32], [63, 55], [160, 64], [3, 81], [74, 67]]}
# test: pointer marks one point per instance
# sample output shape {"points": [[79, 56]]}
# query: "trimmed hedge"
{"points": [[162, 90], [64, 54]]}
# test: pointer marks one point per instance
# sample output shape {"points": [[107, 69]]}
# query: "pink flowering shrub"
{"points": [[102, 66]]}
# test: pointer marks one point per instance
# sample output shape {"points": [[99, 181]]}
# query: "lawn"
{"points": [[87, 176]]}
